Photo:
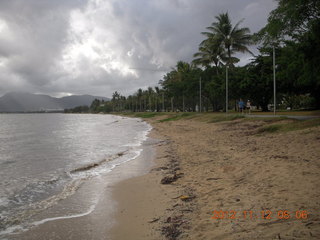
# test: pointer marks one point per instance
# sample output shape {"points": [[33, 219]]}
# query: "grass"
{"points": [[273, 125], [265, 119], [178, 116], [270, 128], [293, 125], [146, 114], [222, 117], [291, 112]]}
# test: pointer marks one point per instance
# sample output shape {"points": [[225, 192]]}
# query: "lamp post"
{"points": [[226, 88], [200, 107], [163, 102], [274, 81]]}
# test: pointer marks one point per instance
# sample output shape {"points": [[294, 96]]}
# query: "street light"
{"points": [[226, 88], [200, 107], [274, 82]]}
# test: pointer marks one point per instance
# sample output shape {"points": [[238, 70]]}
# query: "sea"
{"points": [[45, 158]]}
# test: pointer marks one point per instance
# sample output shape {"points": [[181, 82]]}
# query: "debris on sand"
{"points": [[171, 232], [169, 179]]}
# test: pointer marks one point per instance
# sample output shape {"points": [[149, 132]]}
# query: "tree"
{"points": [[258, 84], [210, 52], [299, 22], [232, 39], [139, 94], [291, 18], [95, 105]]}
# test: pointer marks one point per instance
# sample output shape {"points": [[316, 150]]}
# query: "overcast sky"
{"points": [[64, 47]]}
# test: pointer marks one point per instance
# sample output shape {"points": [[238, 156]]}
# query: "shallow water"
{"points": [[45, 158]]}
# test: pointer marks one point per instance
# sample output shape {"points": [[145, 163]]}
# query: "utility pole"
{"points": [[274, 82], [227, 89], [183, 103], [163, 102], [200, 107]]}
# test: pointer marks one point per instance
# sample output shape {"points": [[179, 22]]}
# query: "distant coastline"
{"points": [[21, 102]]}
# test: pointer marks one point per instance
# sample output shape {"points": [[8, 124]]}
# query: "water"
{"points": [[44, 158]]}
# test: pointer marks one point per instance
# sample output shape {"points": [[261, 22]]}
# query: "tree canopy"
{"points": [[293, 28]]}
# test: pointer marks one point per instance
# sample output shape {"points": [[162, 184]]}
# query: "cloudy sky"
{"points": [[64, 47]]}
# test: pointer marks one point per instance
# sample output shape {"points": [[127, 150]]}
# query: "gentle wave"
{"points": [[97, 164], [75, 177]]}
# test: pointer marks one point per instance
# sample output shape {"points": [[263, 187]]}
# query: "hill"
{"points": [[28, 102]]}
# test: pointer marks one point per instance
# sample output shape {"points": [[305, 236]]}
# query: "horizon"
{"points": [[23, 92]]}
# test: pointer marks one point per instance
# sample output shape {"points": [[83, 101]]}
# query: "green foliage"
{"points": [[225, 118], [146, 115], [231, 38], [298, 68], [298, 102], [178, 116], [291, 18], [293, 125]]}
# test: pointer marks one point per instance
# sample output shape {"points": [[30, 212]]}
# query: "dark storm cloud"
{"points": [[90, 46]]}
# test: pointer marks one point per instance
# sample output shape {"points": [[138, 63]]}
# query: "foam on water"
{"points": [[25, 197]]}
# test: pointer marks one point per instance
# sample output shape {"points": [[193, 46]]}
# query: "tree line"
{"points": [[292, 31]]}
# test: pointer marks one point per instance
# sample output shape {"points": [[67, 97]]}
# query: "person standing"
{"points": [[249, 106], [241, 105]]}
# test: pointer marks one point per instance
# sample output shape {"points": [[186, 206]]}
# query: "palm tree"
{"points": [[210, 52], [232, 38]]}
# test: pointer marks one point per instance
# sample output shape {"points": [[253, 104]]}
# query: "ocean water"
{"points": [[44, 159]]}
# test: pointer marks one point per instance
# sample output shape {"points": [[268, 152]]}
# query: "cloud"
{"points": [[100, 46]]}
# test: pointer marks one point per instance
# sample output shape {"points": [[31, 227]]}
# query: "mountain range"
{"points": [[28, 102]]}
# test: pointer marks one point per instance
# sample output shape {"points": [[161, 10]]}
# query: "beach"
{"points": [[224, 180], [203, 178]]}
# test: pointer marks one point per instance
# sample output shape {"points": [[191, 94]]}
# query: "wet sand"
{"points": [[92, 224], [263, 183]]}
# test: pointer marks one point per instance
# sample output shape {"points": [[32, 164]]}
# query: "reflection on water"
{"points": [[44, 157]]}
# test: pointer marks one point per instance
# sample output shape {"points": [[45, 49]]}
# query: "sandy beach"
{"points": [[226, 180], [201, 179]]}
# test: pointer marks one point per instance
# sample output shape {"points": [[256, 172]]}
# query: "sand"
{"points": [[267, 182], [199, 180]]}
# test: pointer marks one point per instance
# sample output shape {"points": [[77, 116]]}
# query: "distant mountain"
{"points": [[27, 102]]}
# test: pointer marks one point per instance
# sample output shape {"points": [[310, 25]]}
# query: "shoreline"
{"points": [[141, 199], [97, 220]]}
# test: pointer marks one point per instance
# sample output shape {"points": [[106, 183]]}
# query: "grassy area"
{"points": [[140, 114], [223, 117], [178, 116], [146, 114], [293, 125], [265, 119], [273, 125], [289, 113], [204, 117]]}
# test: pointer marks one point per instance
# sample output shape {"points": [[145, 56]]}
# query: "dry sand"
{"points": [[224, 167]]}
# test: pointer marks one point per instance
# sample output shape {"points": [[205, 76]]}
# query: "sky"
{"points": [[72, 47]]}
